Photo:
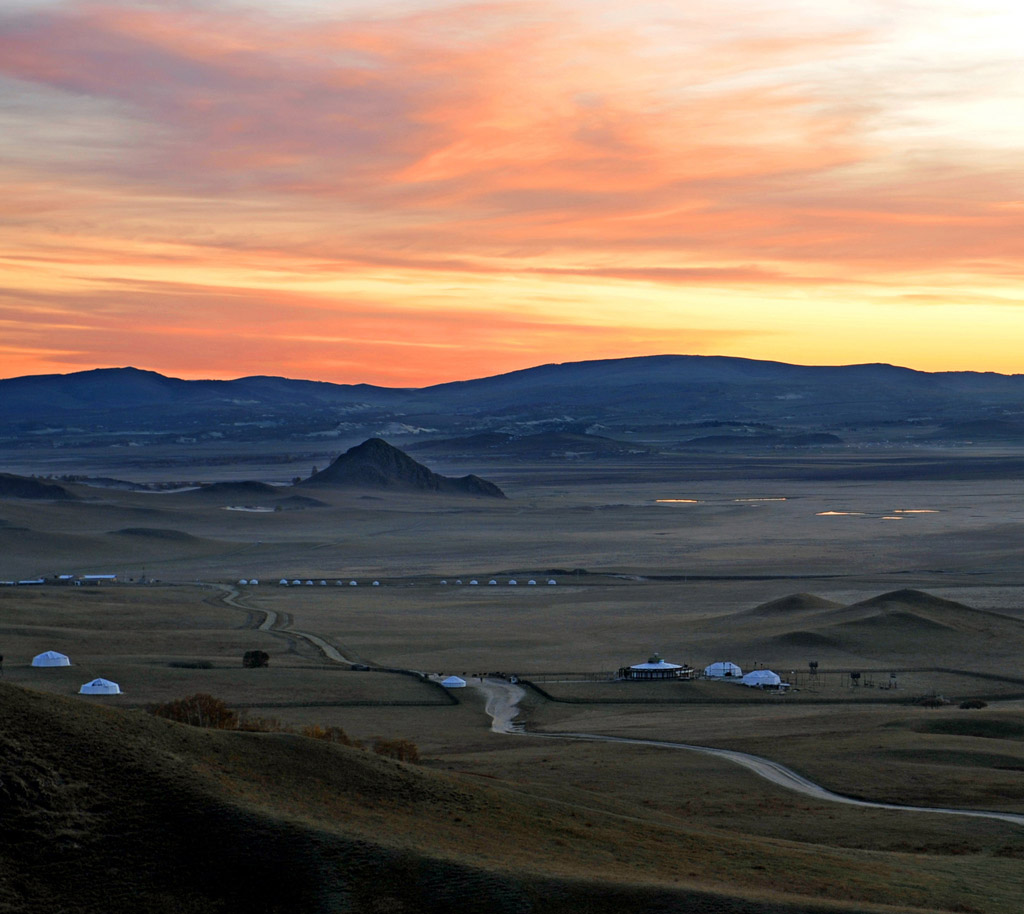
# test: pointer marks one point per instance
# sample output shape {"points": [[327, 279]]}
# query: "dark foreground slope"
{"points": [[116, 812], [375, 464]]}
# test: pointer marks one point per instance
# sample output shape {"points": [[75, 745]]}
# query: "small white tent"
{"points": [[100, 687], [723, 669], [454, 682], [51, 658], [761, 679]]}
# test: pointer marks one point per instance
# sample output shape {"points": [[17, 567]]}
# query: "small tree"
{"points": [[253, 659]]}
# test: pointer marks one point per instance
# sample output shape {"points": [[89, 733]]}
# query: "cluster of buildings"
{"points": [[65, 579], [655, 668]]}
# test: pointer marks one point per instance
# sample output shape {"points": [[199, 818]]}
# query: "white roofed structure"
{"points": [[656, 668], [453, 682], [723, 669], [762, 679], [100, 687], [51, 658]]}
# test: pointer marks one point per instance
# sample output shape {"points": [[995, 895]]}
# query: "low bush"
{"points": [[199, 710], [973, 703], [402, 749], [328, 734]]}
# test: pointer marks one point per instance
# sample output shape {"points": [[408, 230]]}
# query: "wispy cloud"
{"points": [[455, 157]]}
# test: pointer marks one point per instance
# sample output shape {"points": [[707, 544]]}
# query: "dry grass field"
{"points": [[722, 577]]}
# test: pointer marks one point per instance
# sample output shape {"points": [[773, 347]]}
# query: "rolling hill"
{"points": [[111, 812], [678, 393]]}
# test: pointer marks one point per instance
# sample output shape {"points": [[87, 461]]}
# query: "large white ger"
{"points": [[723, 669], [762, 679], [51, 658]]}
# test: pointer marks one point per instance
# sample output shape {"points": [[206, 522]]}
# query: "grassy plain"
{"points": [[694, 581]]}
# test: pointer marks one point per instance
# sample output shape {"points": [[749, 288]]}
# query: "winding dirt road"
{"points": [[280, 623], [502, 705]]}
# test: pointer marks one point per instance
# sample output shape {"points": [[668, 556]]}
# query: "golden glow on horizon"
{"points": [[454, 190]]}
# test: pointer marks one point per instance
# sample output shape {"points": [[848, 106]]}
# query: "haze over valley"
{"points": [[533, 538]]}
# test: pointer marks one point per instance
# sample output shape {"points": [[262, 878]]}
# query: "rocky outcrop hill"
{"points": [[375, 464]]}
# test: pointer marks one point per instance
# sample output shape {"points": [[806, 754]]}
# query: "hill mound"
{"points": [[375, 464], [246, 489], [903, 622], [12, 486], [909, 600], [807, 639], [106, 811], [793, 603]]}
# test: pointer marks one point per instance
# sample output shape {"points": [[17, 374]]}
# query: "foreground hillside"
{"points": [[117, 811]]}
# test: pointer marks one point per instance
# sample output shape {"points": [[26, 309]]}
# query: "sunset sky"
{"points": [[405, 193]]}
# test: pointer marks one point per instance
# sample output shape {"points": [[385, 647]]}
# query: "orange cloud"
{"points": [[500, 183]]}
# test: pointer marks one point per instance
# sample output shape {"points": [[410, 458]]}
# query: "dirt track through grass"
{"points": [[502, 704], [277, 622]]}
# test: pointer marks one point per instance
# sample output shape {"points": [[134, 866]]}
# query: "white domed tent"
{"points": [[454, 682], [762, 679], [723, 669], [51, 658], [100, 687]]}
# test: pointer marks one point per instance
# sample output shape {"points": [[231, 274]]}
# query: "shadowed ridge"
{"points": [[375, 464], [109, 812], [12, 486], [909, 599]]}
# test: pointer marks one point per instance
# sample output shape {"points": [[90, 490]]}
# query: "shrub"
{"points": [[328, 734], [254, 659], [199, 710], [973, 704], [933, 701], [402, 749]]}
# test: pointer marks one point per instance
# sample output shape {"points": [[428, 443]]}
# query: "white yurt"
{"points": [[723, 669], [100, 687], [283, 582], [243, 581], [762, 679], [376, 584], [454, 682], [552, 581], [51, 658]]}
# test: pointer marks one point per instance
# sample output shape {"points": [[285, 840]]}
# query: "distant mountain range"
{"points": [[725, 401]]}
